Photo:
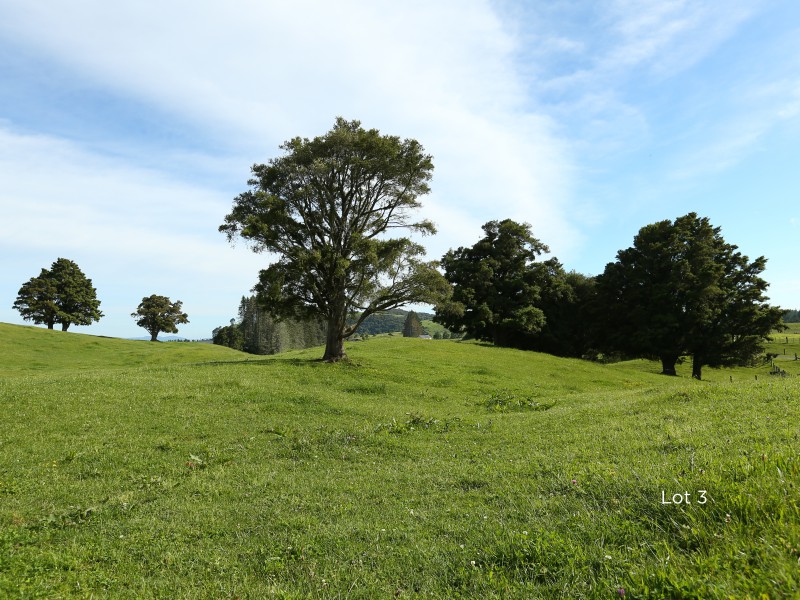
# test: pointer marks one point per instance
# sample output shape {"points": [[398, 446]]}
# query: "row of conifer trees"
{"points": [[257, 332]]}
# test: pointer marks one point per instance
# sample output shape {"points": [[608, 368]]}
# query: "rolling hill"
{"points": [[419, 469]]}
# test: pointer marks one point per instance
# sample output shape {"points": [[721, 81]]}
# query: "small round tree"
{"points": [[158, 313]]}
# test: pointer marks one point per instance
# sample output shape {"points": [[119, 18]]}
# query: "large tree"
{"points": [[324, 209], [61, 294], [498, 285], [158, 313], [682, 290]]}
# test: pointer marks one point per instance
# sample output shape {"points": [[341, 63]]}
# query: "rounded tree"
{"points": [[158, 313], [61, 294]]}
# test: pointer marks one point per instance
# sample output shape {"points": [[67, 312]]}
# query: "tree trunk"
{"points": [[697, 367], [668, 365], [64, 326], [50, 325], [153, 336], [334, 340]]}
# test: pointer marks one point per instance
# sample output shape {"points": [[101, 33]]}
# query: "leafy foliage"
{"points": [[62, 294], [499, 288], [681, 289], [323, 208], [158, 313]]}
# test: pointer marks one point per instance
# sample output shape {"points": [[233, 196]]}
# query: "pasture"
{"points": [[434, 469]]}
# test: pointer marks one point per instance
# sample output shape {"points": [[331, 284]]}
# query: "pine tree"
{"points": [[413, 326]]}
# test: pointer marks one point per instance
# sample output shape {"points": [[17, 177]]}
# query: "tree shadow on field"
{"points": [[271, 361]]}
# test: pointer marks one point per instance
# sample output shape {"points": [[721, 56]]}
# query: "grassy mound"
{"points": [[420, 468], [34, 349]]}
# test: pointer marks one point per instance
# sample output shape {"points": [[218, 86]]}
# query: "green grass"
{"points": [[432, 328], [419, 469], [28, 350], [786, 345]]}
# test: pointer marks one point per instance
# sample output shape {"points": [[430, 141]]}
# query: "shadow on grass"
{"points": [[275, 360]]}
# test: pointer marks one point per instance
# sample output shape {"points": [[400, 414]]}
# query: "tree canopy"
{"points": [[61, 294], [324, 209], [158, 313], [498, 285], [682, 290]]}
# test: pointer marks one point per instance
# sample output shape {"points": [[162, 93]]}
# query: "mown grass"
{"points": [[419, 469]]}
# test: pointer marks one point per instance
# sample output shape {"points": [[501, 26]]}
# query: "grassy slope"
{"points": [[34, 349], [438, 469]]}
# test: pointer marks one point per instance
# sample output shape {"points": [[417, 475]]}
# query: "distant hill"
{"points": [[390, 322]]}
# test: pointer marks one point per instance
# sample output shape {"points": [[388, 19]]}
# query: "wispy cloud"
{"points": [[251, 75], [133, 231]]}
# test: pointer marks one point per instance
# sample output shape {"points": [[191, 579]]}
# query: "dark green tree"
{"points": [[682, 290], [498, 285], [36, 300], [229, 335], [412, 326], [324, 208], [158, 313], [567, 329], [62, 294]]}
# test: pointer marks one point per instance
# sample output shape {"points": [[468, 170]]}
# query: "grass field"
{"points": [[420, 469]]}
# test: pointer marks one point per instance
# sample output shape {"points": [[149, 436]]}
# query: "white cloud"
{"points": [[132, 231], [761, 107], [254, 74], [670, 36]]}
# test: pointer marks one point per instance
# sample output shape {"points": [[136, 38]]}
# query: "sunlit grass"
{"points": [[421, 468]]}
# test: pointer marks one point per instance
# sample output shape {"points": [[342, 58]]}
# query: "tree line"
{"points": [[791, 316], [680, 290], [326, 206], [260, 332]]}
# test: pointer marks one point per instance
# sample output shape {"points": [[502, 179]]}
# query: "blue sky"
{"points": [[126, 129]]}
